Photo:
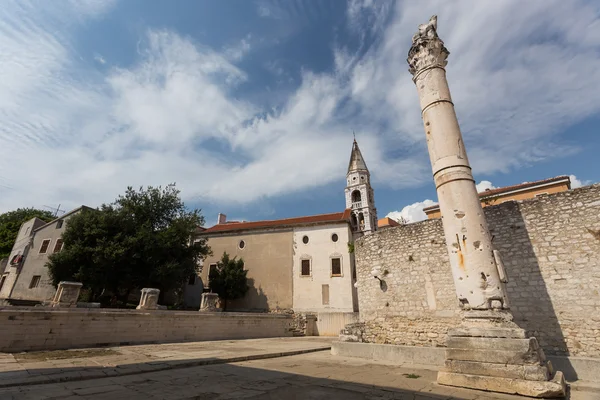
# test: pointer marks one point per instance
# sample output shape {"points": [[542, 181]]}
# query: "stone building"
{"points": [[304, 263], [25, 279], [523, 191], [550, 247]]}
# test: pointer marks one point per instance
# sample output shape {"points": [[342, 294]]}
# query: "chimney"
{"points": [[221, 219]]}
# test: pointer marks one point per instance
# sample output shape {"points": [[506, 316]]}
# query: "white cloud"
{"points": [[239, 50], [173, 116], [413, 212], [575, 182], [484, 185], [99, 58]]}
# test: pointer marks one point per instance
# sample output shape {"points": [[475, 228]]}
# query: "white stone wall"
{"points": [[550, 247], [307, 290], [39, 329]]}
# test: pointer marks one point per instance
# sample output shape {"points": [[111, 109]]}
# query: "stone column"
{"points": [[149, 299], [488, 351]]}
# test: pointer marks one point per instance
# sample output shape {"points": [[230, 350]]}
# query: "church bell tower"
{"points": [[359, 194]]}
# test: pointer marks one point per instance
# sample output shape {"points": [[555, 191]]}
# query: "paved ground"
{"points": [[310, 376], [21, 369]]}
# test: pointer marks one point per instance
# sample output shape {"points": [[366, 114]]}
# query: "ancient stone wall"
{"points": [[550, 247], [25, 329]]}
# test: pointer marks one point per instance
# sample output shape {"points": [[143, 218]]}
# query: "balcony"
{"points": [[357, 204]]}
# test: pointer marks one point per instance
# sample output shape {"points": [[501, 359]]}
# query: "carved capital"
{"points": [[427, 48]]}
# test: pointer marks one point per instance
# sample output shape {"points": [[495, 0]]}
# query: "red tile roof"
{"points": [[525, 185], [278, 223]]}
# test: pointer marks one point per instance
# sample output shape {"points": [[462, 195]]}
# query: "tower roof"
{"points": [[357, 162]]}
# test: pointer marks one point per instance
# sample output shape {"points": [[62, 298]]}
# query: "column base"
{"points": [[499, 357]]}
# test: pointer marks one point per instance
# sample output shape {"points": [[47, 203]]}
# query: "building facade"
{"points": [[305, 263], [523, 191], [25, 279]]}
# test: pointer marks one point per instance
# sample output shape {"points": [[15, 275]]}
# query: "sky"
{"points": [[250, 106]]}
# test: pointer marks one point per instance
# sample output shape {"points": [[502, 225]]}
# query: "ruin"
{"points": [[487, 350], [66, 294], [149, 299]]}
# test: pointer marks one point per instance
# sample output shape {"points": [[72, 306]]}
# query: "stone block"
{"points": [[210, 302], [149, 299], [513, 333], [66, 294], [494, 356], [518, 345], [546, 389], [527, 372]]}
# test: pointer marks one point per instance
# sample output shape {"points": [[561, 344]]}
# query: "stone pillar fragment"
{"points": [[149, 299], [209, 302], [66, 294], [488, 351]]}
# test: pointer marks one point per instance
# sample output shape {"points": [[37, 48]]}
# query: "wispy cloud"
{"points": [[99, 58], [237, 51]]}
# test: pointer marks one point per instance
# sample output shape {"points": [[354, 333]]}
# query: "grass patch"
{"points": [[412, 376], [33, 356]]}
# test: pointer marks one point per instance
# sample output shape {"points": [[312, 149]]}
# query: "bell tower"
{"points": [[359, 194]]}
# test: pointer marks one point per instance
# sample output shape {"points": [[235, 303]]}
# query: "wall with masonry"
{"points": [[25, 329], [550, 247]]}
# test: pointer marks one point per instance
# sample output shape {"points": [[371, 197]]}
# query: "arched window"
{"points": [[361, 221], [353, 221], [356, 199]]}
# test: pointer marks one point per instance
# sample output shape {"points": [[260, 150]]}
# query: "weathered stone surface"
{"points": [[554, 388], [517, 345], [526, 372], [494, 356], [514, 333], [549, 257]]}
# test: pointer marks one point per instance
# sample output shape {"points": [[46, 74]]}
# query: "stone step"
{"points": [[518, 345], [526, 372], [547, 389], [495, 356], [491, 332]]}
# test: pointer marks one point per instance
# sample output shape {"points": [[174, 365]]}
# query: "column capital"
{"points": [[427, 48]]}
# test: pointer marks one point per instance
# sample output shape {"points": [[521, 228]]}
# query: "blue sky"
{"points": [[249, 106]]}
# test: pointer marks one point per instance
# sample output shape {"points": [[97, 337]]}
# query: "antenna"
{"points": [[55, 210]]}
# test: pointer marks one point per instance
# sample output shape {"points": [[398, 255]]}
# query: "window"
{"points": [[59, 224], [305, 268], [58, 246], [192, 280], [211, 268], [16, 259], [325, 294], [305, 239], [336, 266], [35, 281], [45, 245], [242, 244], [334, 237]]}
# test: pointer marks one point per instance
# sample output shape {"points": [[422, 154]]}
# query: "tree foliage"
{"points": [[11, 221], [229, 280], [143, 239]]}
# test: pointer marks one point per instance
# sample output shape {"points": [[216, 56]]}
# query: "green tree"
{"points": [[229, 280], [11, 221], [143, 239]]}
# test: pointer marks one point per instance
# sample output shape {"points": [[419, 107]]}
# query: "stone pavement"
{"points": [[312, 376], [201, 370], [34, 368]]}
